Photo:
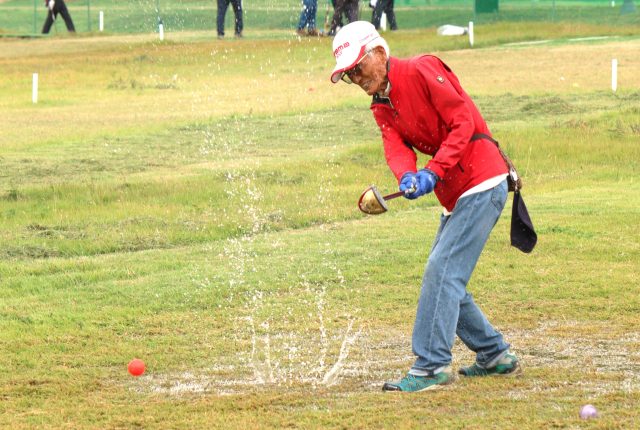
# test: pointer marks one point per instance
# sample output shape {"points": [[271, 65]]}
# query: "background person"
{"points": [[223, 5], [308, 16], [57, 7], [346, 13], [419, 104], [385, 6], [341, 22], [350, 9]]}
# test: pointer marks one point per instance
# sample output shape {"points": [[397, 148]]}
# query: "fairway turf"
{"points": [[204, 220]]}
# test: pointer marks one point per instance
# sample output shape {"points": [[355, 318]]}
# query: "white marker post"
{"points": [[161, 30], [101, 21], [614, 74], [471, 33], [35, 88], [383, 21]]}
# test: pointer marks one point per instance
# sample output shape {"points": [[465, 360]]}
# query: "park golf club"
{"points": [[51, 5], [371, 201]]}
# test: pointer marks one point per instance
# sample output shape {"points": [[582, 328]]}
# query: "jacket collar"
{"points": [[382, 98]]}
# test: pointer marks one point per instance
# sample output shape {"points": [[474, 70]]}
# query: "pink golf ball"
{"points": [[588, 411]]}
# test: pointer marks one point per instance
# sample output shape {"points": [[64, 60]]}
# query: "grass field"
{"points": [[193, 203]]}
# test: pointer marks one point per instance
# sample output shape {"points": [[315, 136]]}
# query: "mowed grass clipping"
{"points": [[220, 241]]}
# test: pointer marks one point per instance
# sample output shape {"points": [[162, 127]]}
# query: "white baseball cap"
{"points": [[349, 44]]}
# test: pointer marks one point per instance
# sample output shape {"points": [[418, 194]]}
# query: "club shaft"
{"points": [[398, 194]]}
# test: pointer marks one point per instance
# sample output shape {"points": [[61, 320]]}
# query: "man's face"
{"points": [[372, 73]]}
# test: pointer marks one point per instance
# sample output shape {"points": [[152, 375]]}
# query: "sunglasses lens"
{"points": [[346, 78]]}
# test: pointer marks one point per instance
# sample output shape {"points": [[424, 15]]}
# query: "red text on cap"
{"points": [[368, 36], [339, 49]]}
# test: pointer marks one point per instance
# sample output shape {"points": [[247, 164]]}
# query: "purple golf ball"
{"points": [[588, 411]]}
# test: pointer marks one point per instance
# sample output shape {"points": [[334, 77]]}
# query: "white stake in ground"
{"points": [[35, 88], [614, 74], [161, 30], [101, 21], [471, 33], [383, 21]]}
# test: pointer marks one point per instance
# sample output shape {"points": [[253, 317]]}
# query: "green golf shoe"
{"points": [[412, 383], [508, 366]]}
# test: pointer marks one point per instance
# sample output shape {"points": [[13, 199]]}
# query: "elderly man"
{"points": [[419, 104]]}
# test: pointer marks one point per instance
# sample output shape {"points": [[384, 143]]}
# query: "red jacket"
{"points": [[428, 110]]}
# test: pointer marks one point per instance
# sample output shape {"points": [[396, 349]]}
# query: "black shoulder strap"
{"points": [[484, 136]]}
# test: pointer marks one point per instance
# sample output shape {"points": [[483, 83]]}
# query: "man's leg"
{"points": [[381, 5], [391, 16], [313, 8], [47, 23], [351, 11], [336, 15], [67, 18], [222, 11], [237, 11], [416, 383], [304, 15], [448, 271], [477, 334]]}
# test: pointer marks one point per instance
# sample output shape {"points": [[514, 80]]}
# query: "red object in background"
{"points": [[136, 367], [310, 89]]}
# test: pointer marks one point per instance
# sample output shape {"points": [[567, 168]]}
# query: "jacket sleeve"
{"points": [[401, 158], [452, 108]]}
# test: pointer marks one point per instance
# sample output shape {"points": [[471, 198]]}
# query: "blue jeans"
{"points": [[445, 308], [308, 14]]}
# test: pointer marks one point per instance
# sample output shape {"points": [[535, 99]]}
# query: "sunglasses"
{"points": [[347, 75]]}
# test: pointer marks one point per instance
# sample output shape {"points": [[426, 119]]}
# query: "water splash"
{"points": [[331, 376]]}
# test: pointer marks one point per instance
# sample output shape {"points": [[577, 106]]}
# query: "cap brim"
{"points": [[335, 76], [523, 236]]}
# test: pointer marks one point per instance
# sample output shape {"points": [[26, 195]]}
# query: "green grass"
{"points": [[207, 224]]}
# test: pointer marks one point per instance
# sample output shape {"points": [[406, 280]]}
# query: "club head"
{"points": [[371, 202]]}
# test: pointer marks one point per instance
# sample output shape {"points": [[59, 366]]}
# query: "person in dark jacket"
{"points": [[384, 6], [349, 8], [419, 105], [57, 7], [223, 5]]}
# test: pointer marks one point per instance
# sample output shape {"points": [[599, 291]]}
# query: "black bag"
{"points": [[523, 235]]}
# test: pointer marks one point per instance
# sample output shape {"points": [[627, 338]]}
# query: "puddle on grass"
{"points": [[374, 358]]}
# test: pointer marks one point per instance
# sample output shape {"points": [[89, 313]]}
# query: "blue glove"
{"points": [[408, 182], [427, 181], [424, 181]]}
